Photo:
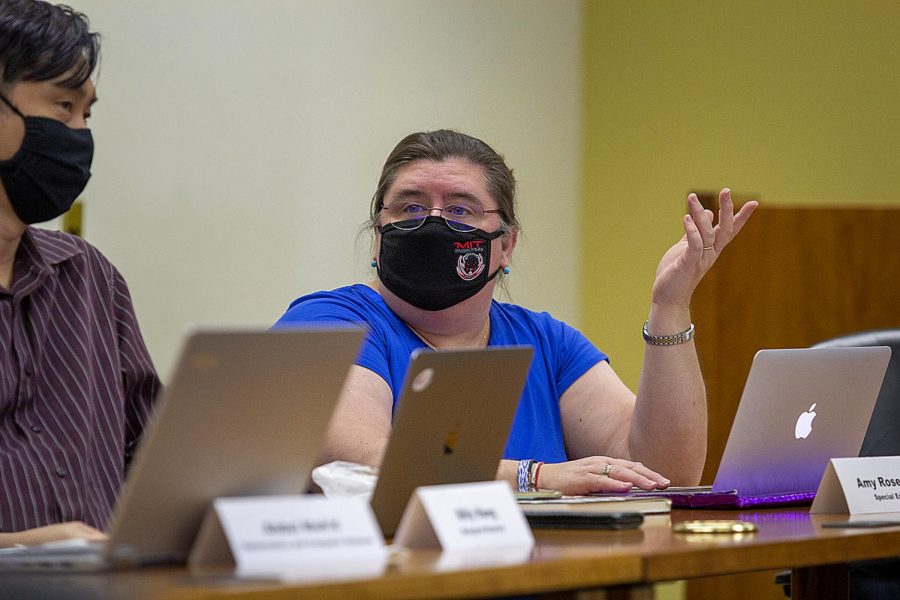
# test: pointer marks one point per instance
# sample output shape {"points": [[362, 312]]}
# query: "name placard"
{"points": [[464, 517], [291, 537], [859, 486]]}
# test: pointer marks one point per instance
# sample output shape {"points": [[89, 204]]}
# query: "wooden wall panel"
{"points": [[794, 276]]}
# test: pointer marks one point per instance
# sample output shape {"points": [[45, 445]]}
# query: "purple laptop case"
{"points": [[728, 499]]}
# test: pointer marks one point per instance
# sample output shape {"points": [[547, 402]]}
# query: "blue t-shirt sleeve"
{"points": [[562, 354], [576, 356], [319, 308], [327, 307]]}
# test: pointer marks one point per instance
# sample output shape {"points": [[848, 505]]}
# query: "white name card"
{"points": [[859, 486], [464, 517], [299, 537]]}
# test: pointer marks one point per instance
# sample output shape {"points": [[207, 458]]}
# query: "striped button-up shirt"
{"points": [[76, 384]]}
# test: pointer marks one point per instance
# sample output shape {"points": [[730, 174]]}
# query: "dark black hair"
{"points": [[40, 41]]}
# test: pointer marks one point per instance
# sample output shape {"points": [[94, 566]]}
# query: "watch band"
{"points": [[668, 340]]}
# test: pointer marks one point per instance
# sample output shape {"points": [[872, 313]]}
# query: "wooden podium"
{"points": [[793, 277]]}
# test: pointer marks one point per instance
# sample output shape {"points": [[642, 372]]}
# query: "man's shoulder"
{"points": [[58, 246]]}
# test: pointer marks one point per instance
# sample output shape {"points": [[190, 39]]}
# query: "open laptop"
{"points": [[245, 414], [451, 425], [800, 408]]}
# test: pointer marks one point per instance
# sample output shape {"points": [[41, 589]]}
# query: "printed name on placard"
{"points": [[879, 483]]}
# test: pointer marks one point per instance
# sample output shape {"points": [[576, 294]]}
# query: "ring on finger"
{"points": [[604, 472]]}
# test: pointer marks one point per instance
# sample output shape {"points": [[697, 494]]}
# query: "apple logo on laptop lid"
{"points": [[804, 423]]}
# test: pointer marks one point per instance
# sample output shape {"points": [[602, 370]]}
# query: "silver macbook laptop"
{"points": [[245, 414], [799, 409], [451, 425]]}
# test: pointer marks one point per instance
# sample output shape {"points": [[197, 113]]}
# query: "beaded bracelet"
{"points": [[522, 476]]}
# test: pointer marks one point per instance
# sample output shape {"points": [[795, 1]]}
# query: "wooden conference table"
{"points": [[597, 564]]}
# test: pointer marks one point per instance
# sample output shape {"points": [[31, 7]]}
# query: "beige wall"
{"points": [[789, 102], [239, 143]]}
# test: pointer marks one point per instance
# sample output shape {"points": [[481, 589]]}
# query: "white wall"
{"points": [[239, 142]]}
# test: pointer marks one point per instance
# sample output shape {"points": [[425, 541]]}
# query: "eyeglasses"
{"points": [[459, 217]]}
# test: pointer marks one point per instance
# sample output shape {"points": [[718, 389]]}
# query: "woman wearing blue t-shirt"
{"points": [[445, 229]]}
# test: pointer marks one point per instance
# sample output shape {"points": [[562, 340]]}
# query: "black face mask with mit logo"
{"points": [[434, 267]]}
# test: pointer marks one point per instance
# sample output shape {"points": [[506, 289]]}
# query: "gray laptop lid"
{"points": [[245, 413], [800, 408], [451, 424]]}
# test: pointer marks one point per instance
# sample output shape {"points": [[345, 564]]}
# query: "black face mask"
{"points": [[49, 171], [434, 267]]}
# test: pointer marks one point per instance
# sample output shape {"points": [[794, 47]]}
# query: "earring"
{"points": [[373, 264], [506, 270]]}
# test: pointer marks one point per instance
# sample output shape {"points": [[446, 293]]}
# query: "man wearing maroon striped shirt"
{"points": [[76, 381]]}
